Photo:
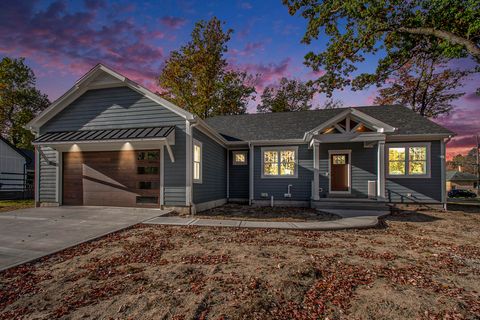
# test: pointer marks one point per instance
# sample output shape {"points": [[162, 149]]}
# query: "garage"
{"points": [[127, 178]]}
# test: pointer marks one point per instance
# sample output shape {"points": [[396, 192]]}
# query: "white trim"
{"points": [[240, 144], [234, 161], [349, 153], [279, 149], [417, 137], [381, 170], [316, 171], [407, 145], [37, 175], [188, 164], [200, 145], [349, 137], [380, 126], [170, 152], [83, 84], [251, 173], [211, 133], [162, 175], [166, 139]]}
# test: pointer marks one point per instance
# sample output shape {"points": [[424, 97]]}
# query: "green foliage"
{"points": [[288, 95], [20, 101], [402, 29], [197, 77], [425, 85], [467, 162]]}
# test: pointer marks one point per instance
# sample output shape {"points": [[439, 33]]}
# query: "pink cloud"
{"points": [[249, 49], [173, 22]]}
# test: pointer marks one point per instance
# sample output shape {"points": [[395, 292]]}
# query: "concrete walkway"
{"points": [[28, 234], [351, 219]]}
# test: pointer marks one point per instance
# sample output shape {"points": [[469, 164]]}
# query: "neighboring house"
{"points": [[461, 180], [15, 165], [109, 141]]}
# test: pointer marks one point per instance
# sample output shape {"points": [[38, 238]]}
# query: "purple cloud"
{"points": [[173, 22], [55, 37]]}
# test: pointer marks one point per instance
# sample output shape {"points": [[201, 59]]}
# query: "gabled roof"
{"points": [[294, 125], [460, 176], [98, 77], [27, 154]]}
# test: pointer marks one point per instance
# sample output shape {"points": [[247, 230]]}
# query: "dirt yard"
{"points": [[233, 211], [418, 266]]}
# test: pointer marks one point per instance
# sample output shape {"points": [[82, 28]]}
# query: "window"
{"points": [[197, 161], [148, 155], [148, 185], [147, 200], [239, 158], [339, 159], [147, 170], [409, 160], [279, 162]]}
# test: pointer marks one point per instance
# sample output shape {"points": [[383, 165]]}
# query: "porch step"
{"points": [[348, 203]]}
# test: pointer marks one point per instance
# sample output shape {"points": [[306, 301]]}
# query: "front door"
{"points": [[339, 172]]}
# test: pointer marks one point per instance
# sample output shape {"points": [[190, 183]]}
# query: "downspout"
{"points": [[443, 171]]}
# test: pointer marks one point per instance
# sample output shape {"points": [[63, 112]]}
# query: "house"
{"points": [[15, 166], [109, 141], [461, 180]]}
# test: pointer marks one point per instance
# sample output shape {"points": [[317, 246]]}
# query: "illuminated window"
{"points": [[197, 161], [408, 160], [239, 158], [279, 162], [339, 159]]}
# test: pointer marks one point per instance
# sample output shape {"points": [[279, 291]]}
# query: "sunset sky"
{"points": [[63, 40]]}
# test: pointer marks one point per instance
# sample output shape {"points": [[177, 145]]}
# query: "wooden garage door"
{"points": [[112, 178]]}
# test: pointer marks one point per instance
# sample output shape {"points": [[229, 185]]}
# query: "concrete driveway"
{"points": [[28, 234]]}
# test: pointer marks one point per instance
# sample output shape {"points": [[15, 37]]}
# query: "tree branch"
{"points": [[446, 35]]}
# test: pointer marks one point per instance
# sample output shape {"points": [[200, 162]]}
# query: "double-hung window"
{"points": [[197, 161], [279, 162], [408, 160]]}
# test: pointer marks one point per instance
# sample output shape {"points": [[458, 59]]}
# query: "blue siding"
{"points": [[363, 161], [301, 186], [48, 175], [239, 179], [214, 170], [424, 190], [122, 108]]}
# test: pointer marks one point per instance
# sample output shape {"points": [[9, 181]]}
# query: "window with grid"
{"points": [[408, 160], [279, 162], [197, 162]]}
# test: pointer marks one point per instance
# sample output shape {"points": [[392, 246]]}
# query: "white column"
{"points": [[189, 164], [162, 175], [37, 176], [381, 170], [316, 168]]}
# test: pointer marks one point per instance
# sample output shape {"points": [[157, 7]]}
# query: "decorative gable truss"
{"points": [[350, 126]]}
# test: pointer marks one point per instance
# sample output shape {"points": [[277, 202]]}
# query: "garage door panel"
{"points": [[110, 179]]}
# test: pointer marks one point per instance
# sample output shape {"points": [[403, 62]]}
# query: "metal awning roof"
{"points": [[104, 135]]}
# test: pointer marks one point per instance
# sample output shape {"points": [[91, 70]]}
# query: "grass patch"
{"points": [[10, 205]]}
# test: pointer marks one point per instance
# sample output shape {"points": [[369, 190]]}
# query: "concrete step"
{"points": [[351, 205]]}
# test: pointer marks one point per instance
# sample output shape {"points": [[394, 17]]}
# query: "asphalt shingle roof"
{"points": [[293, 125], [460, 176]]}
